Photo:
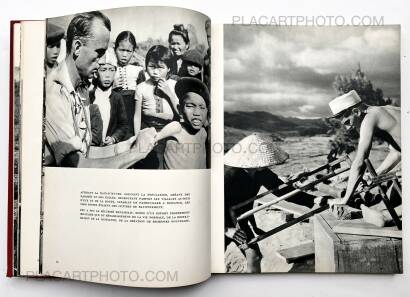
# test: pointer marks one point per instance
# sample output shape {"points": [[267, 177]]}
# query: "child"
{"points": [[186, 149], [127, 76], [53, 39], [178, 41], [192, 64], [110, 103], [156, 102], [155, 98]]}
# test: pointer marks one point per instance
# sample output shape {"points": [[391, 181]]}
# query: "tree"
{"points": [[358, 81]]}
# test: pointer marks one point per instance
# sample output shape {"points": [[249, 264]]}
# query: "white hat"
{"points": [[341, 103], [109, 57], [255, 151]]}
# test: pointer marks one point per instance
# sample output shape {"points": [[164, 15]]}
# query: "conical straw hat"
{"points": [[255, 151]]}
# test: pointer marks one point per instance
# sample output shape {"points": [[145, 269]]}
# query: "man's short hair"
{"points": [[80, 26]]}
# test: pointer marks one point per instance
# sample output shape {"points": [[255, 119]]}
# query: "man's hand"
{"points": [[145, 141], [236, 234], [299, 176]]}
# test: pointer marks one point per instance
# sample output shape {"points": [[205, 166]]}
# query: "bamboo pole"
{"points": [[291, 194]]}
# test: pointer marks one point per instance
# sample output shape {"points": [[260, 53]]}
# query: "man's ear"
{"points": [[77, 45], [356, 111]]}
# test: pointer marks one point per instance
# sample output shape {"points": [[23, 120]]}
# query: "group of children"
{"points": [[126, 98]]}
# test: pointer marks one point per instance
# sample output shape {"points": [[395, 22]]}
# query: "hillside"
{"points": [[240, 124], [265, 122]]}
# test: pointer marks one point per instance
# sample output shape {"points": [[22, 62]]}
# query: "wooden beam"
{"points": [[363, 228], [298, 252]]}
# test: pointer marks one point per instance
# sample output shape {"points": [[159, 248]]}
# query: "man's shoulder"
{"points": [[372, 112], [55, 83], [54, 90]]}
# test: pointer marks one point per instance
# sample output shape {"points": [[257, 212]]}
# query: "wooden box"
{"points": [[347, 253]]}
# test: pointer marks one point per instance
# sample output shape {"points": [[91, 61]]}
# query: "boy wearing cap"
{"points": [[192, 64], [109, 102], [369, 121], [186, 149], [54, 35]]}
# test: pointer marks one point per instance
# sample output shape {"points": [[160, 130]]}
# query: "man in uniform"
{"points": [[67, 123]]}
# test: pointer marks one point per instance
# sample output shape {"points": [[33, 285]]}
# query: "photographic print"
{"points": [[312, 132], [128, 88]]}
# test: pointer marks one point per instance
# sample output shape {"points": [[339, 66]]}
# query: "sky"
{"points": [[146, 22], [290, 70]]}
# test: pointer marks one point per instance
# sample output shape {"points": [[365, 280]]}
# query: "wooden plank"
{"points": [[298, 252], [285, 206], [325, 241], [348, 253], [292, 208], [366, 229]]}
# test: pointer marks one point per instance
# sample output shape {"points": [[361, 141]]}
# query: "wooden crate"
{"points": [[347, 253]]}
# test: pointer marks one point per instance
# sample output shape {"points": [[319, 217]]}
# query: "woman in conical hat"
{"points": [[246, 171]]}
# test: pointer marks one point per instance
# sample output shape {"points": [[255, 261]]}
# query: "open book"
{"points": [[137, 158]]}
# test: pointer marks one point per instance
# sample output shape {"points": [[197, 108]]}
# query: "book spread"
{"points": [[152, 148]]}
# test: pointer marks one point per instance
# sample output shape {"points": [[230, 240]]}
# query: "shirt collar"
{"points": [[62, 77]]}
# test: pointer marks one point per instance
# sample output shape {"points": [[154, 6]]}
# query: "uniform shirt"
{"points": [[185, 151], [67, 122]]}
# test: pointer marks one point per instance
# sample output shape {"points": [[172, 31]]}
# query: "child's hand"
{"points": [[164, 87], [109, 140]]}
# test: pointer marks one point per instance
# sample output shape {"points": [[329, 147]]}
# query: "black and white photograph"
{"points": [[312, 142], [128, 88]]}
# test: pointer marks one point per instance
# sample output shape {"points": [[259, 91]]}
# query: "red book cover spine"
{"points": [[10, 218]]}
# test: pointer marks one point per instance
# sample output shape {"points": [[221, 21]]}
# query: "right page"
{"points": [[312, 151]]}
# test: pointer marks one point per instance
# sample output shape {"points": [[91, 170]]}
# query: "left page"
{"points": [[126, 186]]}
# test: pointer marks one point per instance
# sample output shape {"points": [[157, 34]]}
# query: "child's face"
{"points": [[177, 45], [106, 74], [192, 69], [194, 110], [157, 70], [124, 52], [53, 50]]}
